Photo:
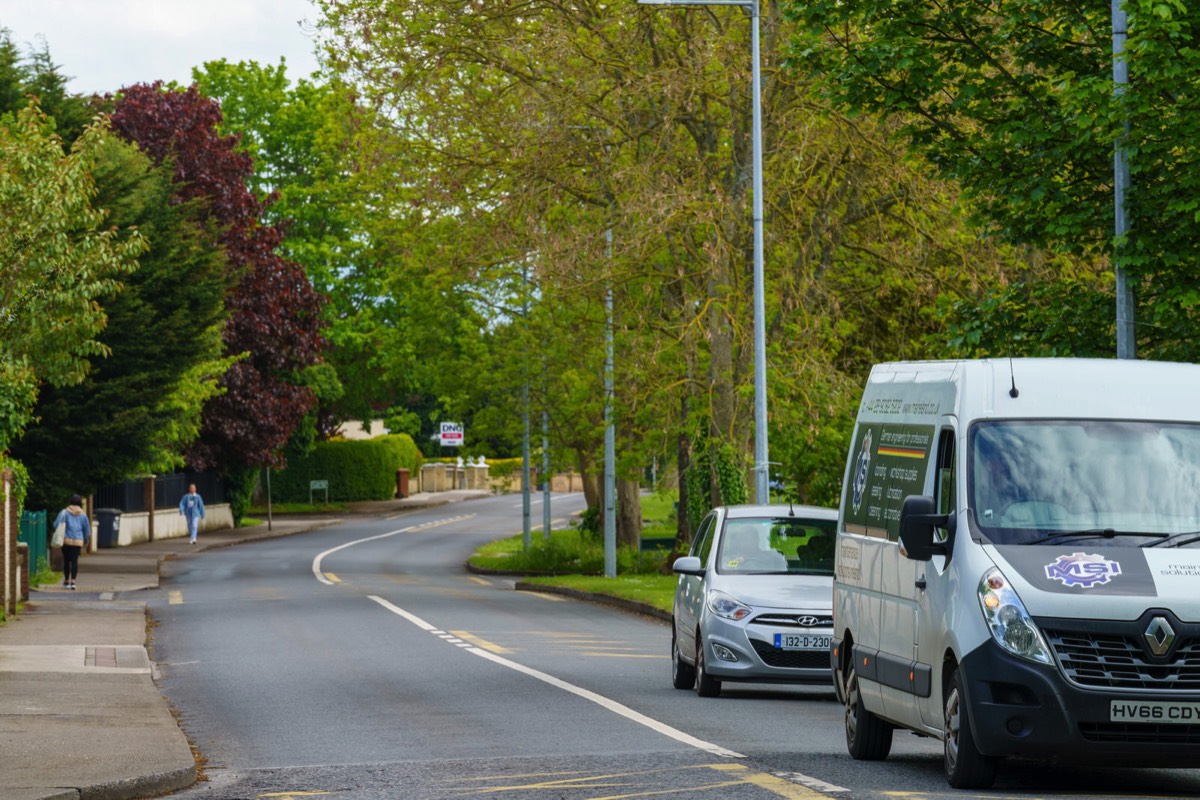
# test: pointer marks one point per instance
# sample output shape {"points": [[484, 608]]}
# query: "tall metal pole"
{"points": [[761, 461], [761, 467], [526, 537], [1126, 341], [610, 439]]}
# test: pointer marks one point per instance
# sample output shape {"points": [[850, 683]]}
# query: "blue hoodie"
{"points": [[79, 527]]}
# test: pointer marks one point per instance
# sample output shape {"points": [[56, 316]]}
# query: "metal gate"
{"points": [[33, 533]]}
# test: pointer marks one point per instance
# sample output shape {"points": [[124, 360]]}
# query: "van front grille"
{"points": [[1116, 661]]}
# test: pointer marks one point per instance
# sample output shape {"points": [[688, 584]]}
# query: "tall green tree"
{"points": [[302, 139], [140, 405], [57, 258], [274, 322], [535, 139], [1016, 102], [34, 73]]}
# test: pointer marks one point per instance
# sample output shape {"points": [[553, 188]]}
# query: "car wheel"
{"points": [[966, 767], [706, 685], [868, 738], [683, 674]]}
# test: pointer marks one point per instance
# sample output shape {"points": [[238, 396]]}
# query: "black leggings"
{"points": [[70, 553]]}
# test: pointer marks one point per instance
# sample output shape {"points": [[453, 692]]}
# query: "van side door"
{"points": [[935, 586]]}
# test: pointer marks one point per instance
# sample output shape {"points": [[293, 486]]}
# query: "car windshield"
{"points": [[779, 545], [1051, 481]]}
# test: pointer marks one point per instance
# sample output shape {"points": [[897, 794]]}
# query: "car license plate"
{"points": [[1162, 713], [802, 641]]}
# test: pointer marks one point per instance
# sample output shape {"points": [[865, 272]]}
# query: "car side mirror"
{"points": [[688, 565], [917, 523]]}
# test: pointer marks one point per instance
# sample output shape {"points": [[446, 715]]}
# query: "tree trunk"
{"points": [[629, 512], [683, 526], [592, 489]]}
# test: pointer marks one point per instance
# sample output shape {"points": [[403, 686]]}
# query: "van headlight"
{"points": [[725, 606], [1011, 626]]}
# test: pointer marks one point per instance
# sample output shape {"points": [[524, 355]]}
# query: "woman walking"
{"points": [[78, 531], [192, 508]]}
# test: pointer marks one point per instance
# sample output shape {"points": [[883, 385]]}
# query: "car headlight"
{"points": [[725, 606], [1011, 626]]}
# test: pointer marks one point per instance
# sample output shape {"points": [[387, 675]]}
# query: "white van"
{"points": [[1018, 563]]}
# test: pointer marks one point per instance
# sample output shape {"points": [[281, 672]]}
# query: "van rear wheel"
{"points": [[868, 738], [966, 767]]}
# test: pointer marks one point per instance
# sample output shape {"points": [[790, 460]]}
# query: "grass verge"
{"points": [[574, 558]]}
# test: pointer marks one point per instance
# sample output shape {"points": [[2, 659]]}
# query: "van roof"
{"points": [[1055, 387]]}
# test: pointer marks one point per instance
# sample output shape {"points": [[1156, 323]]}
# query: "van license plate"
{"points": [[802, 641], [1163, 713]]}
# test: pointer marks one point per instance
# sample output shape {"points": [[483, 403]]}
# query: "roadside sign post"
{"points": [[452, 434]]}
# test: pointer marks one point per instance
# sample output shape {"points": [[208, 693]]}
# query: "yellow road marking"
{"points": [[175, 598], [484, 643], [332, 577], [557, 598], [627, 783], [480, 581], [771, 783]]}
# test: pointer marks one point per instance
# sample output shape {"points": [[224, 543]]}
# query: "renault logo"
{"points": [[808, 622], [1159, 636]]}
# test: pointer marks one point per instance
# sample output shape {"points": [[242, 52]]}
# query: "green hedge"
{"points": [[356, 470]]}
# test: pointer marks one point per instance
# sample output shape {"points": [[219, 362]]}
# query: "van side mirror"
{"points": [[917, 522], [688, 565]]}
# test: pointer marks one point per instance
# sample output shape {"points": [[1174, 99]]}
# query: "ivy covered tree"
{"points": [[274, 324]]}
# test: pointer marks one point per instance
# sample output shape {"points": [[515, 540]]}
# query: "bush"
{"points": [[356, 470], [565, 552]]}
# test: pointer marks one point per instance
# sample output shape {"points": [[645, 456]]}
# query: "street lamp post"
{"points": [[1126, 340], [761, 465]]}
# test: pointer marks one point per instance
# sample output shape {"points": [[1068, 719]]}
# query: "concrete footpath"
{"points": [[81, 717]]}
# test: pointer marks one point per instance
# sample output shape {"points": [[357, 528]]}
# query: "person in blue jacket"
{"points": [[192, 508], [78, 531]]}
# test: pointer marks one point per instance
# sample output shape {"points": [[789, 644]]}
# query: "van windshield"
{"points": [[1034, 481]]}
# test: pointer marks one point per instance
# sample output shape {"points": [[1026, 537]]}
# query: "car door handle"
{"points": [[920, 583]]}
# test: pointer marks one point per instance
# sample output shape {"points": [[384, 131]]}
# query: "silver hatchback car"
{"points": [[754, 598]]}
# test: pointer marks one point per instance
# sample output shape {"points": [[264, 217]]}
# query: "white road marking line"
{"points": [[175, 598], [598, 699], [316, 565], [537, 498], [810, 782]]}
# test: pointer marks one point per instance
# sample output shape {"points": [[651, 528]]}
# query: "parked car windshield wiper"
{"points": [[1176, 539], [1094, 533]]}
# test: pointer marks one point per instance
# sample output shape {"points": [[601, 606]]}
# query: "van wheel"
{"points": [[706, 685], [868, 738], [683, 674], [966, 767]]}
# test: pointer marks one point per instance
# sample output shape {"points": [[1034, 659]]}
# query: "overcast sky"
{"points": [[107, 44]]}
